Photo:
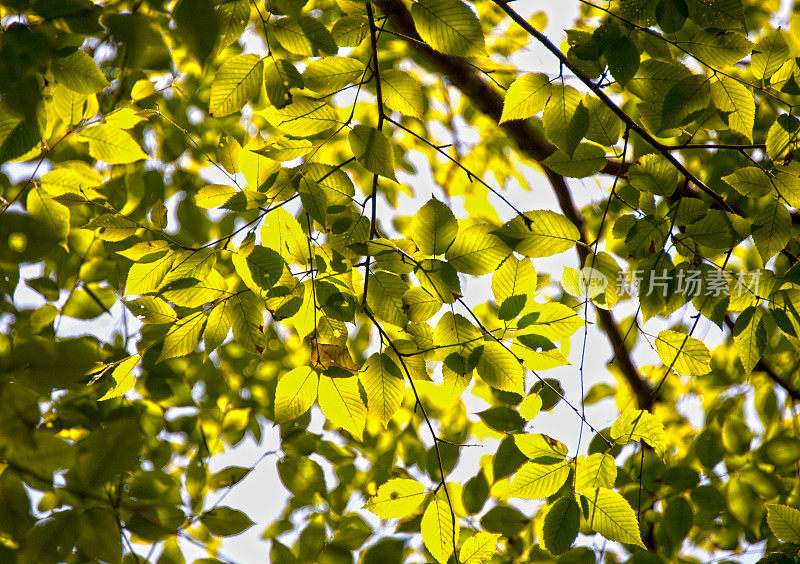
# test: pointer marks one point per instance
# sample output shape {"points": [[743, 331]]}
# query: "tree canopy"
{"points": [[223, 188]]}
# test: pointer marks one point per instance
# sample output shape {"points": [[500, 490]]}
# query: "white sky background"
{"points": [[262, 495]]}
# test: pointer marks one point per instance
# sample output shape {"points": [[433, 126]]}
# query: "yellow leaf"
{"points": [[296, 392], [438, 533], [341, 403], [123, 377], [396, 498], [112, 145], [478, 548]]}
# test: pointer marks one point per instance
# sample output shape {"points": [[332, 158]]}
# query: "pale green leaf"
{"points": [[588, 159], [476, 250], [384, 384], [282, 233], [478, 548], [79, 73], [438, 533], [538, 481], [769, 54], [526, 97], [448, 26], [784, 522], [402, 93], [750, 337], [237, 81], [772, 229], [183, 336], [123, 377], [565, 118], [295, 393], [639, 425], [655, 174], [434, 228], [718, 48], [542, 234], [540, 448], [303, 117], [750, 181], [498, 368], [515, 277], [112, 145], [330, 74], [341, 403], [303, 35], [373, 150], [612, 516], [597, 470], [732, 96]]}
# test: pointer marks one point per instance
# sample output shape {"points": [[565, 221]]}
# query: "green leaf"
{"points": [[373, 150], [434, 228], [53, 218], [514, 278], [303, 117], [750, 337], [280, 76], [639, 425], [478, 548], [500, 369], [719, 230], [233, 19], [542, 234], [611, 516], [690, 356], [225, 521], [144, 45], [565, 118], [476, 250], [604, 125], [623, 59], [654, 174], [341, 403], [769, 54], [438, 533], [123, 378], [83, 302], [561, 524], [296, 393], [79, 73], [448, 26], [718, 48], [385, 387], [198, 25], [98, 535], [385, 297], [402, 93], [350, 31], [282, 233], [237, 81], [784, 522], [330, 74], [112, 145], [732, 96], [303, 35], [526, 97], [772, 229], [531, 406], [396, 499], [538, 481], [782, 136], [595, 471], [750, 181], [183, 337], [540, 448], [502, 419], [260, 269], [587, 160]]}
